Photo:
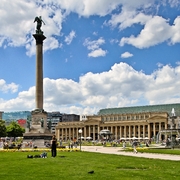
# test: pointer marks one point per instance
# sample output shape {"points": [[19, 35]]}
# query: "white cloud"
{"points": [[156, 30], [127, 18], [160, 65], [132, 12], [17, 27], [24, 101], [95, 33], [97, 53], [94, 46], [120, 86], [5, 88], [70, 37], [17, 24], [174, 3], [88, 8], [164, 86], [126, 55], [61, 89], [175, 31], [114, 41]]}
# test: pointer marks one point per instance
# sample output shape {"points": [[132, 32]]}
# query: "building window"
{"points": [[147, 116], [119, 118]]}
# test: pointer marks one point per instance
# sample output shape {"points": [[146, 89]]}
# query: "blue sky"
{"points": [[97, 54]]}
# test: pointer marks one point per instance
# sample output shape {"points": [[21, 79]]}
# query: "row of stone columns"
{"points": [[122, 131]]}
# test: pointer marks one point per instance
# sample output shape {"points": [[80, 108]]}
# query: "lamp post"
{"points": [[80, 132]]}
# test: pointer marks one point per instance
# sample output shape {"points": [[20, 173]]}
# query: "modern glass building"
{"points": [[14, 116], [53, 118], [17, 116]]}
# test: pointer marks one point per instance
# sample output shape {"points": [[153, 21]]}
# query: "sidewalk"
{"points": [[117, 150]]}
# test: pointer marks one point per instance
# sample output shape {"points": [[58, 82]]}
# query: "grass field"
{"points": [[76, 165], [156, 150]]}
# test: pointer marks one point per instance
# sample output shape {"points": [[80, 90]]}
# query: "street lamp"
{"points": [[80, 132]]}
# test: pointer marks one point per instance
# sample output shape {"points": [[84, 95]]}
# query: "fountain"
{"points": [[105, 133], [171, 134]]}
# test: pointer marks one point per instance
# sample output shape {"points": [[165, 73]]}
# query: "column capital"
{"points": [[39, 38]]}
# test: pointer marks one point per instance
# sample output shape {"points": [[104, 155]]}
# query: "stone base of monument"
{"points": [[37, 136], [39, 140], [38, 133]]}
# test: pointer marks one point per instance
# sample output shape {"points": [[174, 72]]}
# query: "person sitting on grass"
{"points": [[43, 155]]}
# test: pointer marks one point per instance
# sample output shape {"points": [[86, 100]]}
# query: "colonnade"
{"points": [[119, 130]]}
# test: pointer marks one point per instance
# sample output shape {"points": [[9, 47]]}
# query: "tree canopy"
{"points": [[2, 128], [14, 130]]}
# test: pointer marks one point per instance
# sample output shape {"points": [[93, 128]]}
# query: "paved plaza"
{"points": [[118, 151]]}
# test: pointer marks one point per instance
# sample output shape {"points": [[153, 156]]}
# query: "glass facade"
{"points": [[54, 118], [14, 116]]}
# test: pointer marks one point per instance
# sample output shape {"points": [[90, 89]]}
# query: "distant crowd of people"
{"points": [[10, 143]]}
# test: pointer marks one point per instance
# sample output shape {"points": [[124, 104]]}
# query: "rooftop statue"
{"points": [[39, 24], [173, 112]]}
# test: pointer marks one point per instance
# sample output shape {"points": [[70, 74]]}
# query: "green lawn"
{"points": [[156, 150], [76, 165]]}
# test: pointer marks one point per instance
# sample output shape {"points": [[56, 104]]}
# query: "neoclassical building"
{"points": [[124, 122]]}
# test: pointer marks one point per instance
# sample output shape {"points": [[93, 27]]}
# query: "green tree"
{"points": [[2, 128], [14, 130]]}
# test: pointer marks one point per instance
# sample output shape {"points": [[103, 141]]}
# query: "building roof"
{"points": [[142, 109]]}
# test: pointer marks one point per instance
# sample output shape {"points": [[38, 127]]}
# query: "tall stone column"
{"points": [[149, 131], [98, 132], [39, 116], [144, 134], [154, 129], [120, 132], [58, 134], [93, 132], [38, 128], [139, 131], [116, 133], [39, 70], [85, 135], [129, 131], [89, 131], [125, 132]]}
